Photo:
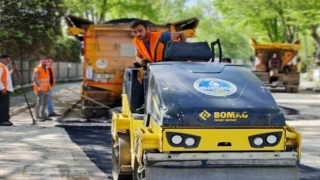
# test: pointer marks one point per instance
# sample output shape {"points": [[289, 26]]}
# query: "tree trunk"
{"points": [[316, 37]]}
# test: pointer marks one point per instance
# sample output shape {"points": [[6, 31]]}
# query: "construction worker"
{"points": [[274, 62], [41, 86], [274, 67], [6, 88], [145, 42], [52, 84]]}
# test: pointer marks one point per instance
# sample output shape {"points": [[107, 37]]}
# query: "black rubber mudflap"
{"points": [[133, 88]]}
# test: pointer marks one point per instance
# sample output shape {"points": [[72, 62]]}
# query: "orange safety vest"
{"points": [[44, 79], [4, 76], [154, 36], [53, 76]]}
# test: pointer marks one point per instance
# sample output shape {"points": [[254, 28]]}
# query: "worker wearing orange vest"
{"points": [[5, 88], [145, 42], [41, 86]]}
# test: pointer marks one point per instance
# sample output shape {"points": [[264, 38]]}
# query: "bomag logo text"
{"points": [[230, 115]]}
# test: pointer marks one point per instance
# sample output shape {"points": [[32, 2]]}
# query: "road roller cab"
{"points": [[203, 120]]}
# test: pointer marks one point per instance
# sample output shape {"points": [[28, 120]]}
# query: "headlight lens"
{"points": [[176, 139], [271, 139], [190, 141], [182, 140], [258, 141]]}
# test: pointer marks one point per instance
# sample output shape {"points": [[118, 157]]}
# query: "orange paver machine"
{"points": [[287, 76]]}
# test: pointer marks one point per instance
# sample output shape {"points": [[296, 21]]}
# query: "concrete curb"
{"points": [[313, 89], [69, 80], [63, 81], [18, 110]]}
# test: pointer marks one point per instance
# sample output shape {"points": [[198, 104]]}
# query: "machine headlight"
{"points": [[262, 140], [190, 141], [258, 141], [176, 139], [271, 139]]}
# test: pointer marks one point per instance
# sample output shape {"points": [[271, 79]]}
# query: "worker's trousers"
{"points": [[42, 105], [4, 107], [50, 102]]}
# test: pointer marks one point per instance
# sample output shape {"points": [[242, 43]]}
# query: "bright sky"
{"points": [[191, 2]]}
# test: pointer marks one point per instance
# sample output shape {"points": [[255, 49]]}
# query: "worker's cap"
{"points": [[4, 56]]}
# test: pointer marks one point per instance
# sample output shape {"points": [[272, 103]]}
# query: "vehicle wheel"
{"points": [[121, 156], [138, 172]]}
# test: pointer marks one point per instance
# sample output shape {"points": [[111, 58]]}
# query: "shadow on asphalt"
{"points": [[288, 111], [308, 173], [305, 112]]}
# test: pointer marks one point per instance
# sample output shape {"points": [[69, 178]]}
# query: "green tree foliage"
{"points": [[211, 26], [174, 10], [275, 20], [28, 27], [67, 49], [99, 11], [265, 19], [235, 43], [306, 15]]}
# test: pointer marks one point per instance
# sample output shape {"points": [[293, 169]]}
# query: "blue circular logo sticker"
{"points": [[214, 87]]}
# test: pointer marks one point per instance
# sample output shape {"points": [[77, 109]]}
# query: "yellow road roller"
{"points": [[204, 120]]}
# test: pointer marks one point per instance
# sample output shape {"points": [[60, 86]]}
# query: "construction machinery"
{"points": [[108, 50], [288, 77], [204, 119]]}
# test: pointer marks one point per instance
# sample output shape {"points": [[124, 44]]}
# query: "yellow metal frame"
{"points": [[293, 139], [153, 138], [76, 31], [274, 45]]}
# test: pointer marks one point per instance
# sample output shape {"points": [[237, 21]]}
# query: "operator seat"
{"points": [[187, 51]]}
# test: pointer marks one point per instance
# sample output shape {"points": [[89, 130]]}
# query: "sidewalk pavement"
{"points": [[44, 151]]}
